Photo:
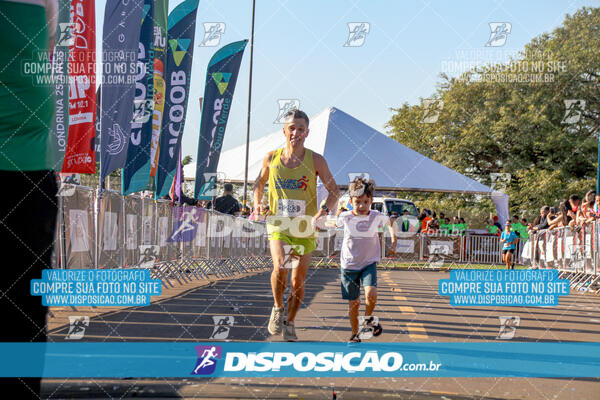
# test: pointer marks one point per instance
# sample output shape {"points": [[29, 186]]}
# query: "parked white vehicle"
{"points": [[387, 205]]}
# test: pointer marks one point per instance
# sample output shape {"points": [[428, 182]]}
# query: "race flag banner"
{"points": [[59, 127], [120, 38], [180, 51], [79, 154], [308, 359], [160, 60], [221, 76], [136, 170]]}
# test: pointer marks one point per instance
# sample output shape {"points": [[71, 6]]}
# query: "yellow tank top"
{"points": [[293, 191]]}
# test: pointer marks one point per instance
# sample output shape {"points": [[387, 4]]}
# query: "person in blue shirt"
{"points": [[509, 239]]}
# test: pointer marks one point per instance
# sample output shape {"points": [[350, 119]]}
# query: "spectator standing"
{"points": [[572, 206], [455, 226], [525, 229], [404, 222], [558, 218], [227, 204], [393, 218], [434, 225], [424, 218], [516, 225], [596, 207], [446, 226], [585, 212], [497, 223], [441, 219], [28, 213], [541, 221], [462, 226], [491, 228]]}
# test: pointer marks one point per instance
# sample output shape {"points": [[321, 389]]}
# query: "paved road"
{"points": [[409, 309]]}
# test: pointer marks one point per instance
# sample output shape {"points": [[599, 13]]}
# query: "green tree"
{"points": [[510, 118], [186, 160]]}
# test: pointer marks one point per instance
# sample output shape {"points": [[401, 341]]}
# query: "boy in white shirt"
{"points": [[361, 251]]}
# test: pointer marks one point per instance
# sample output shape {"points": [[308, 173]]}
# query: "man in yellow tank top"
{"points": [[292, 173]]}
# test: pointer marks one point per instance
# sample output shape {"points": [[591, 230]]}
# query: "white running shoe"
{"points": [[276, 321]]}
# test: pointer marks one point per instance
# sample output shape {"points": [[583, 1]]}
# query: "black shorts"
{"points": [[28, 216], [511, 251]]}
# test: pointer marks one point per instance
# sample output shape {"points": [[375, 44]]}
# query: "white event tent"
{"points": [[351, 146]]}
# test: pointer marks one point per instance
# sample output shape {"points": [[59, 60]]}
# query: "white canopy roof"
{"points": [[350, 146]]}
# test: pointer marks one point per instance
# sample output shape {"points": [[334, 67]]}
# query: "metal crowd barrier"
{"points": [[411, 247], [435, 249], [487, 249], [573, 252], [178, 243], [424, 249], [182, 243]]}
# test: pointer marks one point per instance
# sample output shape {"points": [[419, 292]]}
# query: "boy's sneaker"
{"points": [[373, 323], [276, 321], [289, 332], [377, 329]]}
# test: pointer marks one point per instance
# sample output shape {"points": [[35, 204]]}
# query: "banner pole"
{"points": [[249, 107]]}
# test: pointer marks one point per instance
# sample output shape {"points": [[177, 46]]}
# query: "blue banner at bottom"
{"points": [[309, 359]]}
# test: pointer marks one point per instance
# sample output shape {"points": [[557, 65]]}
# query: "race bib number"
{"points": [[291, 207]]}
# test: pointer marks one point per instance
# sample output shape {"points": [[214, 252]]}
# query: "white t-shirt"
{"points": [[361, 245]]}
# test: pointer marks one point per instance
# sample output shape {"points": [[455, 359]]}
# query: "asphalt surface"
{"points": [[409, 309]]}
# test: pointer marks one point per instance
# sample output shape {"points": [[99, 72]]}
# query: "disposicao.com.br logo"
{"points": [[290, 364]]}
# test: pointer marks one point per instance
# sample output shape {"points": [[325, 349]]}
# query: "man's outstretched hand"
{"points": [[319, 220]]}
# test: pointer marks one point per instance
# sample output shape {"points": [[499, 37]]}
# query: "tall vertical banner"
{"points": [[79, 154], [160, 60], [221, 77], [137, 166], [120, 38], [59, 127], [180, 48]]}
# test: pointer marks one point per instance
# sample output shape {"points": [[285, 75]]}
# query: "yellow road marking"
{"points": [[125, 322], [179, 339], [407, 310], [402, 298], [440, 392], [416, 331]]}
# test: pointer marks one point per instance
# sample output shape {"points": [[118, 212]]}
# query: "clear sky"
{"points": [[299, 53]]}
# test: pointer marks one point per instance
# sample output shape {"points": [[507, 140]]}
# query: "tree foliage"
{"points": [[510, 118], [186, 160]]}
